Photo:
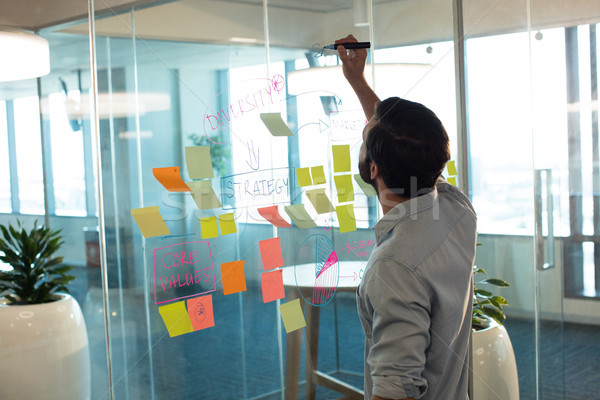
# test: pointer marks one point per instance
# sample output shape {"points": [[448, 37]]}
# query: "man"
{"points": [[415, 297]]}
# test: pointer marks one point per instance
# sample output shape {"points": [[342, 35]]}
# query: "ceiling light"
{"points": [[24, 55]]}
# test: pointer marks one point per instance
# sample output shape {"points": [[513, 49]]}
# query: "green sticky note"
{"points": [[298, 214], [303, 175], [150, 222], [176, 318], [345, 190], [318, 175], [199, 162], [208, 227], [275, 124], [292, 316], [451, 167], [204, 195], [227, 223], [369, 190], [452, 180], [346, 218], [320, 201], [341, 157]]}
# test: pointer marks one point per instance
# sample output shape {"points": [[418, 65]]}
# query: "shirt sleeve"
{"points": [[399, 305]]}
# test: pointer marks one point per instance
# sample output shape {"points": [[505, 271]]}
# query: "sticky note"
{"points": [[369, 190], [176, 318], [150, 222], [227, 224], [208, 227], [270, 253], [345, 190], [272, 285], [298, 214], [203, 194], [170, 179], [452, 180], [200, 311], [272, 215], [233, 277], [275, 124], [199, 162], [292, 316], [318, 175], [346, 218], [320, 201], [303, 175], [341, 157], [451, 167]]}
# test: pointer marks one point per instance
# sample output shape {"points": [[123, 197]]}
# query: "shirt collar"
{"points": [[402, 211]]}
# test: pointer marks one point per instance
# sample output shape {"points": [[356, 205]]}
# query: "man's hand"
{"points": [[353, 65], [353, 61]]}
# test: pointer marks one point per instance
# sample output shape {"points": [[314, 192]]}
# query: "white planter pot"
{"points": [[44, 351], [494, 366]]}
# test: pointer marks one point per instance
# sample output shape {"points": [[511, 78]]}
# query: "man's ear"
{"points": [[374, 171]]}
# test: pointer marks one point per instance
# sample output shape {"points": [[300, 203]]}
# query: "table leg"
{"points": [[312, 315], [293, 345]]}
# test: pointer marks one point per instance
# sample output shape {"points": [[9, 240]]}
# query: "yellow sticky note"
{"points": [[176, 318], [303, 175], [318, 175], [150, 222], [292, 316], [298, 214], [345, 190], [208, 227], [346, 218], [452, 180], [341, 157], [369, 190], [451, 167], [320, 201], [204, 195], [275, 124], [199, 162], [227, 223]]}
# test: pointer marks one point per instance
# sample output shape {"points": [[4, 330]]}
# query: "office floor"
{"points": [[233, 363]]}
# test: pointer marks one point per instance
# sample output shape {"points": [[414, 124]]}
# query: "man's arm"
{"points": [[353, 65]]}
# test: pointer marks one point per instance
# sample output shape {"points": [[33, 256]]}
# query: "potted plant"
{"points": [[494, 365], [43, 338]]}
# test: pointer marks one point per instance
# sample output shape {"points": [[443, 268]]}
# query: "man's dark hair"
{"points": [[408, 143]]}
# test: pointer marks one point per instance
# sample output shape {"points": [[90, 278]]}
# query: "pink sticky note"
{"points": [[270, 252], [272, 215], [272, 285], [169, 177], [200, 310]]}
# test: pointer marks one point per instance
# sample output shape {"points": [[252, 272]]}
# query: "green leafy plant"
{"points": [[37, 272], [485, 304]]}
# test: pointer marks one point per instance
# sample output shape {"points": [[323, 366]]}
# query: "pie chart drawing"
{"points": [[317, 251]]}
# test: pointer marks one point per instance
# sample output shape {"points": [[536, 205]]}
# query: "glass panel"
{"points": [[5, 196]]}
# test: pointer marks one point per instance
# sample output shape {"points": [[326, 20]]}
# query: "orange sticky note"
{"points": [[233, 277], [272, 215], [169, 177], [200, 310], [272, 285], [176, 318], [291, 314], [270, 252], [150, 222]]}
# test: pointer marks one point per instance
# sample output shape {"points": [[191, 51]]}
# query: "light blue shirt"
{"points": [[415, 298]]}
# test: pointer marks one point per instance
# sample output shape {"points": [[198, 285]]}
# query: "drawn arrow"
{"points": [[323, 126], [350, 276], [254, 156]]}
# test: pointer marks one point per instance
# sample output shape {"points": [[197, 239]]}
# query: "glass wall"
{"points": [[217, 168]]}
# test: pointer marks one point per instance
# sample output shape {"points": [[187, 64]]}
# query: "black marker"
{"points": [[349, 45]]}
